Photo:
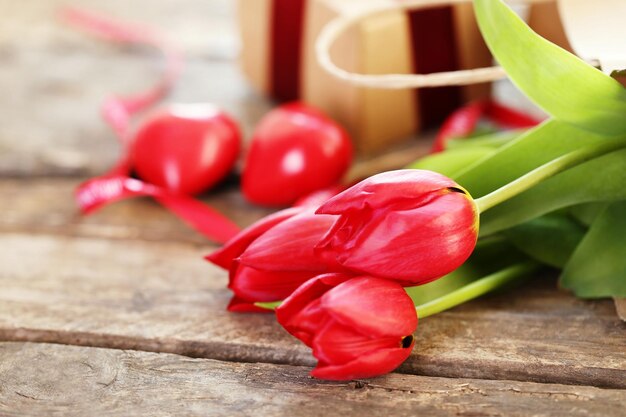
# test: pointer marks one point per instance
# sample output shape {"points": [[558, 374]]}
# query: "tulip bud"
{"points": [[271, 258], [412, 226], [358, 328]]}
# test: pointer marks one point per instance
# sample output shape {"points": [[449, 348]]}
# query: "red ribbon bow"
{"points": [[117, 183]]}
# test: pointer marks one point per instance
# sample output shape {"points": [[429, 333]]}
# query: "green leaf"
{"points": [[536, 147], [481, 130], [451, 162], [587, 213], [598, 266], [492, 140], [490, 255], [549, 239], [560, 83], [601, 179], [269, 305]]}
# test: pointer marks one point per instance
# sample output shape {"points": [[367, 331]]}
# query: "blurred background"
{"points": [[53, 78]]}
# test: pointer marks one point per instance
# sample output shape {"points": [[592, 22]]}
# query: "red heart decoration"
{"points": [[295, 150], [186, 148]]}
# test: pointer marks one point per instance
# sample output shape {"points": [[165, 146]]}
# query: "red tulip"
{"points": [[186, 148], [295, 150], [271, 258], [233, 249], [358, 328], [411, 226]]}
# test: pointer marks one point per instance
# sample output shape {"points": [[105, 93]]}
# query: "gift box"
{"points": [[544, 18], [593, 30], [278, 57]]}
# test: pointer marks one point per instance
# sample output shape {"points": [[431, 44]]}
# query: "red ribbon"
{"points": [[117, 184], [435, 49], [463, 121], [286, 48]]}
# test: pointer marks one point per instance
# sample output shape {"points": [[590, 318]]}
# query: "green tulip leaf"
{"points": [[557, 81], [490, 255], [492, 140], [272, 305], [451, 162], [598, 266], [481, 130], [587, 213], [534, 148], [600, 179], [549, 239]]}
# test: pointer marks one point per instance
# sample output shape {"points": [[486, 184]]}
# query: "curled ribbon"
{"points": [[117, 184], [463, 121]]}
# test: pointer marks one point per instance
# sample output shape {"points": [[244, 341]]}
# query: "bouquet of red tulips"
{"points": [[350, 276], [341, 267]]}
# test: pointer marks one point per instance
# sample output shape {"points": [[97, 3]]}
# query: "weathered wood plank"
{"points": [[47, 206], [53, 79], [164, 297], [55, 380]]}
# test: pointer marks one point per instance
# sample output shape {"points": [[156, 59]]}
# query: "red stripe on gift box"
{"points": [[434, 50], [286, 48]]}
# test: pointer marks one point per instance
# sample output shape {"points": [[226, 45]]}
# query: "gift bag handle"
{"points": [[331, 32]]}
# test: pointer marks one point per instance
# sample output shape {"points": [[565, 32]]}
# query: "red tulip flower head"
{"points": [[412, 226], [358, 328], [270, 259]]}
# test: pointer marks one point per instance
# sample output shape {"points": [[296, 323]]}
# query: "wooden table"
{"points": [[117, 314]]}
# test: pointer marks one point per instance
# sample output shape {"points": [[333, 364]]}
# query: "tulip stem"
{"points": [[546, 171], [476, 289]]}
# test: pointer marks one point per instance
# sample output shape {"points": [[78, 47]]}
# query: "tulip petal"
{"points": [[376, 307], [335, 343], [305, 324], [373, 364], [289, 245], [410, 246], [381, 190], [224, 256], [256, 285], [287, 313]]}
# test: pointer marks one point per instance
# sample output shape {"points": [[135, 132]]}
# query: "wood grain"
{"points": [[54, 380], [161, 296]]}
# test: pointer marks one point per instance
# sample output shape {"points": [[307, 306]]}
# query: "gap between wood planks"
{"points": [[238, 354]]}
